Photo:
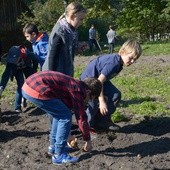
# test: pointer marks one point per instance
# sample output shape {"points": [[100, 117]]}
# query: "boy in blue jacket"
{"points": [[105, 67], [39, 42]]}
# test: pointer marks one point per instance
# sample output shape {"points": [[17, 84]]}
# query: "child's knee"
{"points": [[116, 99]]}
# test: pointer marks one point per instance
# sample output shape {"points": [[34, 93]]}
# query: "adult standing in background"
{"points": [[92, 38], [111, 34]]}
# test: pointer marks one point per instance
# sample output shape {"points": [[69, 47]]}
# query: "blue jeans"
{"points": [[61, 122], [12, 71], [113, 97]]}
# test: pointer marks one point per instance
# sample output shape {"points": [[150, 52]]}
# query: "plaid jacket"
{"points": [[46, 85]]}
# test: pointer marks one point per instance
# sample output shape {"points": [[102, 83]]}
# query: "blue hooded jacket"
{"points": [[40, 47]]}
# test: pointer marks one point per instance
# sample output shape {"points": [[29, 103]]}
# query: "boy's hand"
{"points": [[88, 146], [103, 107], [72, 142]]}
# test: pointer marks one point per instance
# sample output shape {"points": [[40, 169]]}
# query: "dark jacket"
{"points": [[62, 44]]}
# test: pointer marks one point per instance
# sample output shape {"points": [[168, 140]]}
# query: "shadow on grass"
{"points": [[137, 100]]}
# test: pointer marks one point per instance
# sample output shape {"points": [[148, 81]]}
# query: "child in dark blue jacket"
{"points": [[20, 63], [105, 67]]}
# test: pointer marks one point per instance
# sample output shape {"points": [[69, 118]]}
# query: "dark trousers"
{"points": [[111, 48], [93, 42], [12, 71], [113, 96]]}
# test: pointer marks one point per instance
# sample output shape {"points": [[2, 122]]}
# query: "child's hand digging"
{"points": [[87, 147], [72, 143]]}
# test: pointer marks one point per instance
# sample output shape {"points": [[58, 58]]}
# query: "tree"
{"points": [[131, 18], [45, 13], [102, 13], [140, 18]]}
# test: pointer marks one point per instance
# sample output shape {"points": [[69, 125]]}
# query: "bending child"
{"points": [[105, 67], [59, 95], [20, 63]]}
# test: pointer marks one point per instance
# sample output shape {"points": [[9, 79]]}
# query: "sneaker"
{"points": [[63, 158], [51, 150], [114, 127], [109, 126], [18, 110]]}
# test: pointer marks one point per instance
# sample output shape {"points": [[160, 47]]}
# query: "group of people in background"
{"points": [[93, 39], [92, 98]]}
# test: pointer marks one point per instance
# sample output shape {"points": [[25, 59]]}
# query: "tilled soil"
{"points": [[143, 143]]}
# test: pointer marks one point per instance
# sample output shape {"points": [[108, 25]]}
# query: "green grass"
{"points": [[158, 48], [144, 95], [145, 86], [149, 49]]}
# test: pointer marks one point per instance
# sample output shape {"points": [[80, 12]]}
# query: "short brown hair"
{"points": [[30, 28], [94, 85]]}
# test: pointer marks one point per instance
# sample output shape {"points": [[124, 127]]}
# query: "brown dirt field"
{"points": [[142, 143]]}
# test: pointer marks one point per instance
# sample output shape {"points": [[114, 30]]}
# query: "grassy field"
{"points": [[145, 86]]}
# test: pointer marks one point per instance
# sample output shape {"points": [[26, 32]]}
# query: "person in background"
{"points": [[61, 95], [20, 63], [63, 40], [105, 67], [92, 38], [111, 34], [39, 42]]}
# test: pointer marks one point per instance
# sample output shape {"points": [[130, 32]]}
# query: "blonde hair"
{"points": [[132, 46], [72, 8]]}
